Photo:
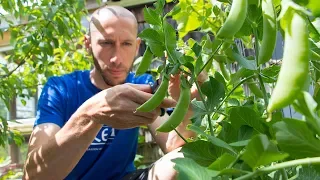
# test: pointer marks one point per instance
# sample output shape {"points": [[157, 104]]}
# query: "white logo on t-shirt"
{"points": [[105, 136]]}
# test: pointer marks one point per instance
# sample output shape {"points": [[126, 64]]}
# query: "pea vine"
{"points": [[243, 130]]}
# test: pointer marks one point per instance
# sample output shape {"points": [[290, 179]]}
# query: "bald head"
{"points": [[105, 13]]}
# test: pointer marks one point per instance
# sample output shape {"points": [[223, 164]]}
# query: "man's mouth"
{"points": [[116, 72]]}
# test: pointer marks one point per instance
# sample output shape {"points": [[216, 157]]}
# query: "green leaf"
{"points": [[154, 41], [216, 141], [159, 6], [199, 64], [215, 92], [55, 42], [306, 105], [1, 33], [240, 143], [151, 16], [260, 151], [170, 36], [241, 73], [198, 111], [222, 162], [248, 64], [61, 25], [23, 102], [270, 74], [228, 133], [294, 137], [220, 78], [200, 151], [243, 136], [313, 5], [187, 19], [196, 48], [245, 116], [314, 32], [245, 133], [308, 172], [190, 170], [231, 171]]}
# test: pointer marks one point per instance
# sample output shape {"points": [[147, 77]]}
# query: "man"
{"points": [[87, 126]]}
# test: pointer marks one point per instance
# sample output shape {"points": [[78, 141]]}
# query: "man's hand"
{"points": [[116, 106], [174, 86]]}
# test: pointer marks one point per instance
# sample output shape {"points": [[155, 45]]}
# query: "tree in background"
{"points": [[47, 41]]}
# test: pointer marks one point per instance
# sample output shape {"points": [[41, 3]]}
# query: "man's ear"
{"points": [[87, 43], [138, 45]]}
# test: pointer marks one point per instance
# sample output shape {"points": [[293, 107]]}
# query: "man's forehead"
{"points": [[107, 13], [114, 11]]}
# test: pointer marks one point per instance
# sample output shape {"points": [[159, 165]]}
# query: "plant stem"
{"points": [[256, 49], [180, 135], [305, 161], [256, 44], [227, 96], [210, 125], [265, 97], [210, 59], [284, 174], [204, 103], [236, 160]]}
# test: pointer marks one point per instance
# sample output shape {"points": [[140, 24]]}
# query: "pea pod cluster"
{"points": [[179, 112], [295, 64]]}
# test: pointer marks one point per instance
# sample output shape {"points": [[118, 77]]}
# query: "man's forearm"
{"points": [[56, 158], [174, 140], [170, 141]]}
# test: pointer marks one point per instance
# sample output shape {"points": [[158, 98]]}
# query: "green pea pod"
{"points": [[254, 88], [295, 64], [179, 112], [157, 97], [145, 62], [224, 71], [235, 19], [269, 32]]}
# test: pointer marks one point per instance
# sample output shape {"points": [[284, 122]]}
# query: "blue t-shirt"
{"points": [[111, 154]]}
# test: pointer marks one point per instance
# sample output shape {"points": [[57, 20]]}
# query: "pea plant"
{"points": [[242, 132]]}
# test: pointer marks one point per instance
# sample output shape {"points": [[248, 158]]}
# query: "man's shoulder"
{"points": [[145, 78], [58, 79]]}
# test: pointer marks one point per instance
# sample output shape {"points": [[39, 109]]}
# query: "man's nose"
{"points": [[116, 57]]}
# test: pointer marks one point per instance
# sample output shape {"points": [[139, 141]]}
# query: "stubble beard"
{"points": [[105, 79]]}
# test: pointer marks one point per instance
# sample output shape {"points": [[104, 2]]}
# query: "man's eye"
{"points": [[107, 43], [127, 44]]}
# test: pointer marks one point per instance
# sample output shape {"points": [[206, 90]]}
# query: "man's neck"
{"points": [[97, 80]]}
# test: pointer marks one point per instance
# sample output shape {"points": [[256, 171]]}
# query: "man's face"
{"points": [[114, 45]]}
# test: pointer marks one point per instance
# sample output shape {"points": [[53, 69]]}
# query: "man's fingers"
{"points": [[151, 116], [168, 103], [141, 87]]}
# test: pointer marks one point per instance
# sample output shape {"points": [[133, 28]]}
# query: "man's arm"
{"points": [[170, 141], [54, 152]]}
